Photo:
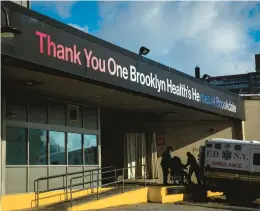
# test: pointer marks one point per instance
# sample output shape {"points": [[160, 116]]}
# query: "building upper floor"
{"points": [[248, 83]]}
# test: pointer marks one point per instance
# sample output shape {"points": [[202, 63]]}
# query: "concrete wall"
{"points": [[251, 126]]}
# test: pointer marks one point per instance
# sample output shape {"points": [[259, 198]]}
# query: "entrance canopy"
{"points": [[101, 73], [60, 87]]}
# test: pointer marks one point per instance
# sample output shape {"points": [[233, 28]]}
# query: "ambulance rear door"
{"points": [[254, 165]]}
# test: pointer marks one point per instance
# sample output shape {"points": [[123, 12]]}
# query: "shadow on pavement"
{"points": [[221, 203]]}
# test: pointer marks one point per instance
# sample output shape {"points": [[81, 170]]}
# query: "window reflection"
{"points": [[57, 148], [37, 147], [90, 149], [74, 149], [16, 146]]}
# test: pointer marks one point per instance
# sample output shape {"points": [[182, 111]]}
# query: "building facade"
{"points": [[248, 83], [72, 102], [24, 3], [252, 113], [257, 62]]}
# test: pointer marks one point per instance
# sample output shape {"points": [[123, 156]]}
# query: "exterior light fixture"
{"points": [[28, 83], [206, 78], [212, 130], [11, 115], [143, 51], [8, 31], [171, 114]]}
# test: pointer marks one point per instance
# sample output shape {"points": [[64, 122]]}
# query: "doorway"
{"points": [[140, 155]]}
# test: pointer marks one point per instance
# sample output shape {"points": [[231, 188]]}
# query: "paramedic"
{"points": [[177, 168], [194, 167], [166, 163]]}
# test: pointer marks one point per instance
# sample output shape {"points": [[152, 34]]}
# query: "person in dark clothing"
{"points": [[166, 164], [177, 168], [194, 167]]}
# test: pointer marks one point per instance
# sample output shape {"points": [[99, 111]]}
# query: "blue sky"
{"points": [[88, 10], [220, 37]]}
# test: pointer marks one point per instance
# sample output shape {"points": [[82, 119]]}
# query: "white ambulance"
{"points": [[233, 167]]}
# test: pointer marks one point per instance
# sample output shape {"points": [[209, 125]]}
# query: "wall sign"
{"points": [[160, 141], [50, 46], [114, 68], [227, 154], [227, 158]]}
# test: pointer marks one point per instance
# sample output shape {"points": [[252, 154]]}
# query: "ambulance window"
{"points": [[238, 147], [209, 145], [256, 159], [217, 146], [227, 146]]}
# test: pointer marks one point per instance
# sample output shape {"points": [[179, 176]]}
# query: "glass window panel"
{"points": [[209, 145], [90, 150], [37, 147], [217, 146], [238, 147], [90, 118], [38, 112], [75, 149], [16, 146], [57, 148], [256, 159], [56, 114], [77, 123], [226, 146], [16, 110]]}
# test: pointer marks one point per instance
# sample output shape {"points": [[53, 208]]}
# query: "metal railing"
{"points": [[64, 181], [99, 180]]}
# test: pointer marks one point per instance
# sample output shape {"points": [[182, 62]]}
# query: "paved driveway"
{"points": [[158, 207], [175, 207]]}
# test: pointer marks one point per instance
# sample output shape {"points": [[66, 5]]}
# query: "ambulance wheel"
{"points": [[235, 199]]}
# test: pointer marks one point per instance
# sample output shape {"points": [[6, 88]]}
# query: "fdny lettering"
{"points": [[223, 164]]}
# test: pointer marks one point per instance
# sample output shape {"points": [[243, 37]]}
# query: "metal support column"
{"points": [[3, 146]]}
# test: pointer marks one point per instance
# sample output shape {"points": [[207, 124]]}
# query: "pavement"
{"points": [[213, 204], [159, 207]]}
